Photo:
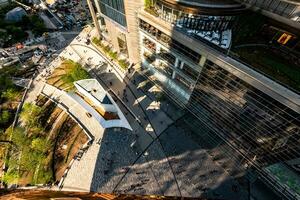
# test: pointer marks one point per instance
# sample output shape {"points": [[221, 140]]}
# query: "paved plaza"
{"points": [[162, 155]]}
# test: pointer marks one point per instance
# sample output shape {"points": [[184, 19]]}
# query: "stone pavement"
{"points": [[172, 165], [79, 177], [158, 157]]}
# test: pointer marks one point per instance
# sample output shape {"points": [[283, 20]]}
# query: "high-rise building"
{"points": [[236, 70]]}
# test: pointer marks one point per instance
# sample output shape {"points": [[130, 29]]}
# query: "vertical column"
{"points": [[202, 61], [94, 17], [99, 13], [173, 75], [176, 62], [157, 51], [181, 65]]}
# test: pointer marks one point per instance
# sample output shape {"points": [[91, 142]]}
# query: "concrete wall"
{"points": [[113, 31]]}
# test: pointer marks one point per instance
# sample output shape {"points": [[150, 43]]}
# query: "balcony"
{"points": [[201, 15], [149, 45], [255, 42]]}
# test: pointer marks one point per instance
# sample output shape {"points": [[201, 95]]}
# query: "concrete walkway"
{"points": [[157, 157], [74, 108]]}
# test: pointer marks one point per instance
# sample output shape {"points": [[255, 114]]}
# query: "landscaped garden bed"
{"points": [[42, 147], [67, 73], [71, 138], [255, 42], [108, 51]]}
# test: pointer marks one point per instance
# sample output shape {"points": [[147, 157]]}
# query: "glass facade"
{"points": [[114, 9], [263, 129], [254, 126]]}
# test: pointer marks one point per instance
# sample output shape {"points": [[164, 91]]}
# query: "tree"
{"points": [[30, 115], [5, 83], [10, 94], [17, 33], [5, 116], [18, 136], [30, 159], [38, 26], [40, 144]]}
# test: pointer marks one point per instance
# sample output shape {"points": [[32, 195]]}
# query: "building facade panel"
{"points": [[114, 9]]}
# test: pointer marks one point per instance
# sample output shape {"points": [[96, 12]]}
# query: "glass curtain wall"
{"points": [[263, 129], [114, 9]]}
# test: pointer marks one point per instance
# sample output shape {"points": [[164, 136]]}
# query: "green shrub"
{"points": [[113, 55], [148, 3], [96, 41], [11, 177], [4, 117], [106, 49], [44, 176], [123, 63]]}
